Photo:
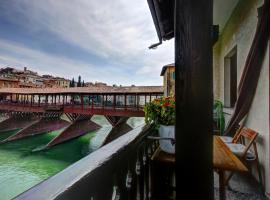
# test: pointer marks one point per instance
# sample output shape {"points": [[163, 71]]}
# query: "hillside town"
{"points": [[14, 78]]}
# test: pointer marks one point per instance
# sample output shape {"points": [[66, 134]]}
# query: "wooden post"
{"points": [[125, 101], [82, 101], [103, 101], [92, 102], [135, 100], [46, 99], [64, 97], [89, 100], [72, 100], [114, 101], [194, 98], [31, 100], [145, 99]]}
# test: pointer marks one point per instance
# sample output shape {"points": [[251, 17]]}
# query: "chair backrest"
{"points": [[246, 134], [238, 129]]}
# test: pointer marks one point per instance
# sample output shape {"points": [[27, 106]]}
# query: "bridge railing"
{"points": [[118, 170], [127, 101]]}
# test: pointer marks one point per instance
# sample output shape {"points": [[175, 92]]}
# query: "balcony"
{"points": [[118, 170]]}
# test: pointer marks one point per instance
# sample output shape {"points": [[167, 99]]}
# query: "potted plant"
{"points": [[161, 112], [218, 115]]}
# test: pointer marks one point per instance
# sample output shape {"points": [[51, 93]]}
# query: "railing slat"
{"points": [[110, 172]]}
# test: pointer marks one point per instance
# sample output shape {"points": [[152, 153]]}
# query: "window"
{"points": [[173, 75], [230, 78]]}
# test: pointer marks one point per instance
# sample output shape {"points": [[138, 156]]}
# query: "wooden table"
{"points": [[225, 160], [162, 156], [163, 175]]}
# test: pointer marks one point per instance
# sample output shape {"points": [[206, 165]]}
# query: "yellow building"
{"points": [[61, 82], [168, 73]]}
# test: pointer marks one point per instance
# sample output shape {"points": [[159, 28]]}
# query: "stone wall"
{"points": [[239, 31]]}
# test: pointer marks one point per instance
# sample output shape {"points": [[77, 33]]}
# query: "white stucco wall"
{"points": [[239, 31]]}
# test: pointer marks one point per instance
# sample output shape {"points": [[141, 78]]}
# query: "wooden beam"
{"points": [[194, 98]]}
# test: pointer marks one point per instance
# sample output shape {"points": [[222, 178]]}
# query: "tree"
{"points": [[72, 83], [79, 81]]}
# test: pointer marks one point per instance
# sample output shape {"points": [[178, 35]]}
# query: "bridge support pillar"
{"points": [[81, 125], [17, 120], [47, 123], [120, 127]]}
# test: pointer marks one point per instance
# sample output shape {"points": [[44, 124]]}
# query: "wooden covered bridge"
{"points": [[36, 111]]}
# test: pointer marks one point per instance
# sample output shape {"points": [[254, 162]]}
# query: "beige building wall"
{"points": [[239, 31], [169, 82]]}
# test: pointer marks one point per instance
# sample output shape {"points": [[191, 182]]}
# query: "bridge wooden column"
{"points": [[81, 124], [119, 128], [47, 123], [17, 120]]}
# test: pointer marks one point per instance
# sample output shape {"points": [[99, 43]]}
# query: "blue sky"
{"points": [[100, 40]]}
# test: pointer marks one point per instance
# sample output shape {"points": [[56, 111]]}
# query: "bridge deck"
{"points": [[107, 111], [110, 101]]}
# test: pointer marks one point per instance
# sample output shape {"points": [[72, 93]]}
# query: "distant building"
{"points": [[89, 84], [56, 82], [168, 73], [61, 82], [46, 76], [100, 84], [8, 72], [31, 79], [9, 83], [50, 83], [27, 85], [26, 71]]}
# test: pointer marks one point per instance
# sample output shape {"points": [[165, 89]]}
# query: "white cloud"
{"points": [[117, 31]]}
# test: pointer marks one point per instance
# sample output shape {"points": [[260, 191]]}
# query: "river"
{"points": [[23, 166]]}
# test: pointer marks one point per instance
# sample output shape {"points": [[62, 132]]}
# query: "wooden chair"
{"points": [[241, 147], [229, 139]]}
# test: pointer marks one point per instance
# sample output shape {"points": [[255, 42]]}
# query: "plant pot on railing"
{"points": [[161, 113], [167, 132]]}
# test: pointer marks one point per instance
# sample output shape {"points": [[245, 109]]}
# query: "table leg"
{"points": [[222, 192]]}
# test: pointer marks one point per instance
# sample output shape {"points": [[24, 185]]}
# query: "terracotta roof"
{"points": [[164, 68], [86, 90]]}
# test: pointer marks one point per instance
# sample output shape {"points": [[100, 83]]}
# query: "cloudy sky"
{"points": [[100, 40]]}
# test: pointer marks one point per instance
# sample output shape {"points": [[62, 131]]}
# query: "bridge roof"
{"points": [[85, 90]]}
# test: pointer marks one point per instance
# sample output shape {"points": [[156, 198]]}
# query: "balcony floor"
{"points": [[241, 187]]}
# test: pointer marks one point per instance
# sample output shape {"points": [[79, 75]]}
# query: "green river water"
{"points": [[22, 166]]}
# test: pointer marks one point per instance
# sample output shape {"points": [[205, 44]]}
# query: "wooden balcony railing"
{"points": [[118, 170]]}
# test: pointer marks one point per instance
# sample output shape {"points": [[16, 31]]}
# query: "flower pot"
{"points": [[166, 132]]}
